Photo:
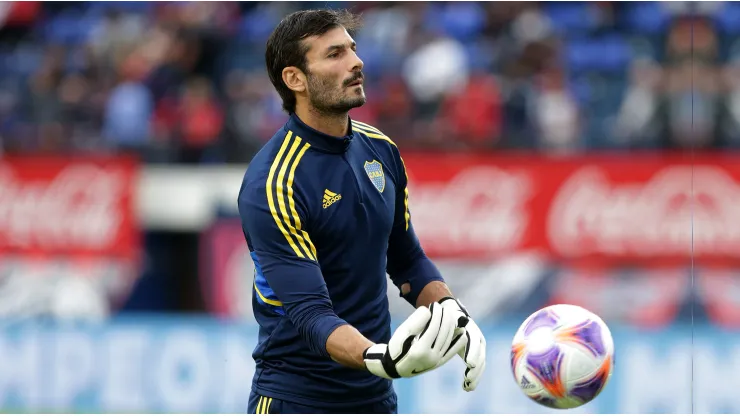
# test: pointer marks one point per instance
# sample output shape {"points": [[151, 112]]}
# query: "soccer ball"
{"points": [[562, 356]]}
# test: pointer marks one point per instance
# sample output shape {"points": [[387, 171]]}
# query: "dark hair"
{"points": [[285, 46]]}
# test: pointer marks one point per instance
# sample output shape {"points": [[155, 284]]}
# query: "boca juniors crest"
{"points": [[375, 172]]}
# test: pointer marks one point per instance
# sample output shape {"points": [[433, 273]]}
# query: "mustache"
{"points": [[357, 77]]}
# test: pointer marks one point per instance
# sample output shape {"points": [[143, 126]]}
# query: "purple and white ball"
{"points": [[562, 356]]}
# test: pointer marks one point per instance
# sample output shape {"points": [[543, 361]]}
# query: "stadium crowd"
{"points": [[184, 82]]}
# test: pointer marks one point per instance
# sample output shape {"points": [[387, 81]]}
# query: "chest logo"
{"points": [[330, 198], [374, 171]]}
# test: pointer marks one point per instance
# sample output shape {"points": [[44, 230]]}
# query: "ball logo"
{"points": [[526, 384]]}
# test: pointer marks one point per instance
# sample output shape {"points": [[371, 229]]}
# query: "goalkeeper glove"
{"points": [[421, 343], [474, 353]]}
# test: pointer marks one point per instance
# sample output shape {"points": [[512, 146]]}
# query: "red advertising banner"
{"points": [[633, 208], [57, 205], [69, 238], [227, 270]]}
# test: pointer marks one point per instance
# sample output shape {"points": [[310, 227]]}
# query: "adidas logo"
{"points": [[526, 384], [330, 198]]}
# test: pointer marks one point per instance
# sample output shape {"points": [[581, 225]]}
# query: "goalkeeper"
{"points": [[324, 210]]}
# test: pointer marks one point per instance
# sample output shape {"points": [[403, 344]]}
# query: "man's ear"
{"points": [[294, 78]]}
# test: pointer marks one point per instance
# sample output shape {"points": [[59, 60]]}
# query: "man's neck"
{"points": [[331, 124]]}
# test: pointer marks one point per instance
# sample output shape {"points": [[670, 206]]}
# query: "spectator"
{"points": [[188, 78], [637, 123], [129, 110], [200, 120], [556, 113], [474, 114]]}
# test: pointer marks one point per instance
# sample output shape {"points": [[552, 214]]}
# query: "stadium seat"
{"points": [[647, 17], [609, 53], [728, 18], [571, 18]]}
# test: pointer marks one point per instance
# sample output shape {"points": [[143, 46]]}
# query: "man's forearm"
{"points": [[346, 345], [432, 292]]}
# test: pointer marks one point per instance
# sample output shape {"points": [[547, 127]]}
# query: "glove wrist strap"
{"points": [[379, 362]]}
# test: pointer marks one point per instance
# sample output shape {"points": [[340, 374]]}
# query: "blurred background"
{"points": [[569, 152]]}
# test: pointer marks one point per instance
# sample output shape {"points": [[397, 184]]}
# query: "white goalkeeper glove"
{"points": [[421, 343], [474, 353]]}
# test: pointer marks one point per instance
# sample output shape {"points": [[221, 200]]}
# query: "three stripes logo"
{"points": [[330, 198], [263, 405]]}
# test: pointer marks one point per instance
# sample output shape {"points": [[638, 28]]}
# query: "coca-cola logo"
{"points": [[78, 208], [480, 209], [664, 216]]}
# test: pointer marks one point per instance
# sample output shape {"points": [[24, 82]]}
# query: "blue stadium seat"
{"points": [[128, 6], [648, 17], [62, 28], [479, 56], [609, 53], [24, 60], [571, 18], [728, 17], [463, 21], [71, 27], [257, 25]]}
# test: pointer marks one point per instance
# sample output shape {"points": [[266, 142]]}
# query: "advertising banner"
{"points": [[614, 233], [646, 297], [204, 365], [69, 239], [227, 269], [643, 209]]}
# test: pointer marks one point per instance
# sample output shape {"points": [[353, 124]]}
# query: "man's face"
{"points": [[334, 72]]}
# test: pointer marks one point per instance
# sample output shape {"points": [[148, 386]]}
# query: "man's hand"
{"points": [[421, 343], [474, 353]]}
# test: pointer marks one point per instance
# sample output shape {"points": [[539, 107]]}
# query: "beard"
{"points": [[327, 98]]}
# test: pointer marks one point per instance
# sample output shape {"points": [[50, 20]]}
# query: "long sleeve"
{"points": [[407, 262], [273, 220]]}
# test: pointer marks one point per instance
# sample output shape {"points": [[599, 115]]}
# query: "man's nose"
{"points": [[358, 64]]}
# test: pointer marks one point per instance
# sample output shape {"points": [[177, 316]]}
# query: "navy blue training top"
{"points": [[325, 218]]}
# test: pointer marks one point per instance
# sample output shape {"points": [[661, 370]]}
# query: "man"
{"points": [[324, 210]]}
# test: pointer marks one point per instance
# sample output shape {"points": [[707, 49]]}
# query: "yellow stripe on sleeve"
{"points": [[266, 300], [291, 201], [258, 411], [267, 408], [280, 164], [268, 190], [407, 214], [280, 190]]}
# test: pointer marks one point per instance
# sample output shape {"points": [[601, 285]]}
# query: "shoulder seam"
{"points": [[289, 224]]}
